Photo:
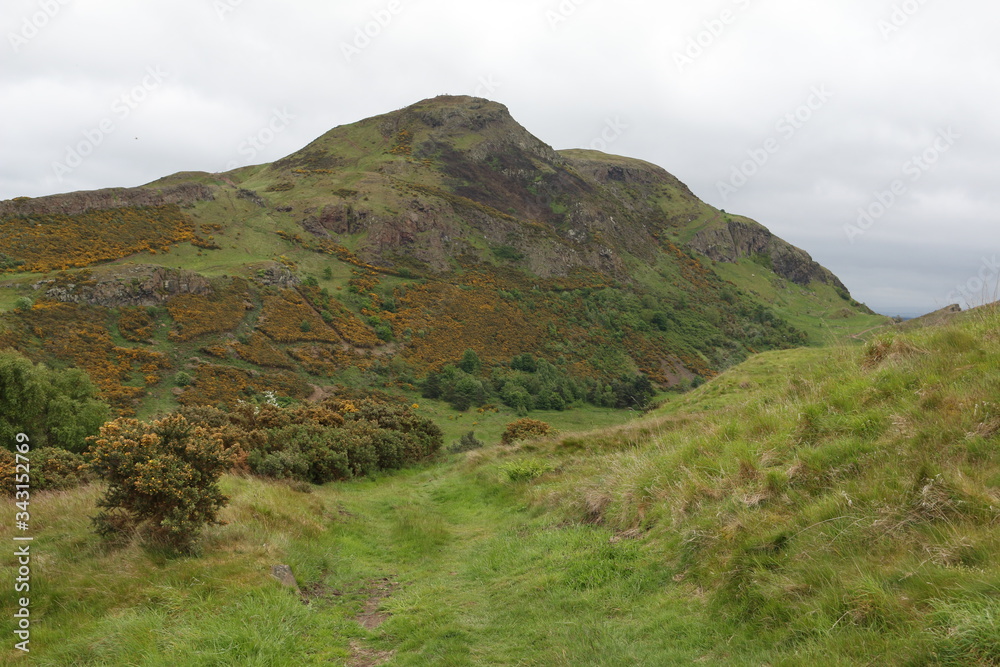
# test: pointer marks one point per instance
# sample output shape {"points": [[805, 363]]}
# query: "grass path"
{"points": [[442, 565], [482, 581]]}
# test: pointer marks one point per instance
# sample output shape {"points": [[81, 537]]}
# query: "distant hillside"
{"points": [[387, 249]]}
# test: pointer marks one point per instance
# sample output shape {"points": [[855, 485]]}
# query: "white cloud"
{"points": [[563, 82]]}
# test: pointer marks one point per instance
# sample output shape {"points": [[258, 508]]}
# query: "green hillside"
{"points": [[832, 506], [385, 250]]}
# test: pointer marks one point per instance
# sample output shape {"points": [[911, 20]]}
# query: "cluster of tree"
{"points": [[528, 383], [56, 408]]}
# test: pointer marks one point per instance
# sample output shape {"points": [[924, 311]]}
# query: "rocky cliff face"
{"points": [[75, 203], [142, 285], [737, 239]]}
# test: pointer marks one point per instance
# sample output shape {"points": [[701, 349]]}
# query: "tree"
{"points": [[470, 362], [524, 362], [468, 391], [432, 385], [57, 408], [633, 392]]}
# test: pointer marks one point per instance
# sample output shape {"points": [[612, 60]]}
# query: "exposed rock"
{"points": [[738, 239], [252, 197], [336, 219], [141, 285], [274, 274], [75, 203], [283, 573]]}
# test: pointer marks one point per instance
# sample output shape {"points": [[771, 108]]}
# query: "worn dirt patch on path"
{"points": [[378, 590], [365, 657], [370, 618]]}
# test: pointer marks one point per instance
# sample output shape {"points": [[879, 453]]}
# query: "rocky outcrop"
{"points": [[75, 203], [458, 116], [141, 285], [737, 239], [272, 274]]}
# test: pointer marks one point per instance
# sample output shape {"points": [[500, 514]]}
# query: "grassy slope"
{"points": [[833, 506], [842, 504], [817, 309]]}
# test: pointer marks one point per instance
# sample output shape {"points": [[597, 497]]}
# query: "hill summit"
{"points": [[385, 251]]}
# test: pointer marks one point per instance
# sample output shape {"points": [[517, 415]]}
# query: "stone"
{"points": [[283, 573]]}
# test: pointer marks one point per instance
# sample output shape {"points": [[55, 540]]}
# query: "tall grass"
{"points": [[827, 498]]}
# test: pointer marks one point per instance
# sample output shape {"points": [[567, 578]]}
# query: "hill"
{"points": [[388, 248], [832, 506]]}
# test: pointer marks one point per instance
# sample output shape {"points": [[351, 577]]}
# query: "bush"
{"points": [[55, 469], [23, 304], [183, 379], [334, 440], [524, 429], [162, 476], [467, 443]]}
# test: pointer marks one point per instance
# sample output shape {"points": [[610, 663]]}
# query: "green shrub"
{"points": [[23, 304], [332, 441], [183, 379], [162, 476], [53, 468], [467, 443], [524, 429]]}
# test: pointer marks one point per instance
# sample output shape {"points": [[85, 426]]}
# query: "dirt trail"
{"points": [[371, 618]]}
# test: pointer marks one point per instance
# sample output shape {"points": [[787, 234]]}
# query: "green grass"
{"points": [[829, 506], [835, 500], [490, 424], [480, 581], [816, 309]]}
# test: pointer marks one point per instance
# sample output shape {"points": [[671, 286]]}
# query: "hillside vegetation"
{"points": [[833, 506], [385, 250]]}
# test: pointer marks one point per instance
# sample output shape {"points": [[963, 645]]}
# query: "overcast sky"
{"points": [[800, 114]]}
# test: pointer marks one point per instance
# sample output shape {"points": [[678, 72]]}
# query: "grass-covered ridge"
{"points": [[840, 501]]}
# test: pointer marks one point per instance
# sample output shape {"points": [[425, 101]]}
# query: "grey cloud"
{"points": [[230, 70]]}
